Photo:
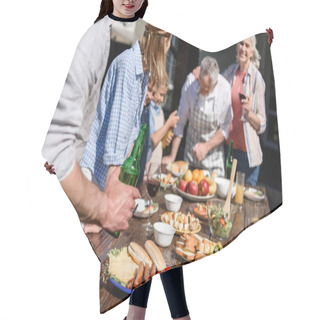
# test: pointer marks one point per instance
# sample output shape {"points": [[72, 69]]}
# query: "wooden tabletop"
{"points": [[103, 242]]}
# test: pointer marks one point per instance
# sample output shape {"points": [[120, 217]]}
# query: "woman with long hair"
{"points": [[249, 115]]}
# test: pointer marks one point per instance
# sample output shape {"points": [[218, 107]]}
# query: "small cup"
{"points": [[163, 234], [173, 202]]}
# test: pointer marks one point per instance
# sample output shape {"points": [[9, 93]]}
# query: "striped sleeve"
{"points": [[259, 100]]}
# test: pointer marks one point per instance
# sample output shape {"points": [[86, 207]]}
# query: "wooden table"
{"points": [[103, 242]]}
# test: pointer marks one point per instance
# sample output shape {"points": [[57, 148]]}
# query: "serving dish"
{"points": [[167, 180], [254, 194], [178, 168], [117, 289], [201, 213], [142, 210], [220, 224], [191, 247], [182, 230], [114, 286], [191, 197]]}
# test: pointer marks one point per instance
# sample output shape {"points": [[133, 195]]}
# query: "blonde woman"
{"points": [[249, 115]]}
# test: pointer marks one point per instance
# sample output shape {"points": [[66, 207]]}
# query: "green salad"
{"points": [[220, 225], [257, 192]]}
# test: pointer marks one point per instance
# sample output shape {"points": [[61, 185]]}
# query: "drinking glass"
{"points": [[153, 186], [239, 189]]}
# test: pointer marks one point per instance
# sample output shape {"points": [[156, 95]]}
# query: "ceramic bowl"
{"points": [[223, 187], [163, 234], [173, 202]]}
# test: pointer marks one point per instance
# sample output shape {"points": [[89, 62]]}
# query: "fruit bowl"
{"points": [[194, 197]]}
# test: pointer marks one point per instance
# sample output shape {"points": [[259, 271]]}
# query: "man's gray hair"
{"points": [[209, 66]]}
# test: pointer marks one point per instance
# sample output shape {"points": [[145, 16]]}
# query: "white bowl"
{"points": [[173, 202], [223, 187], [163, 234]]}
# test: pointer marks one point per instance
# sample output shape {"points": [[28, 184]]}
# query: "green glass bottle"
{"points": [[131, 169], [229, 160]]}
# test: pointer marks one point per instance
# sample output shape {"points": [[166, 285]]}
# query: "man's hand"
{"points": [[169, 138], [250, 115], [174, 149], [246, 104], [117, 204], [196, 72], [167, 159], [49, 168], [200, 150], [173, 119]]}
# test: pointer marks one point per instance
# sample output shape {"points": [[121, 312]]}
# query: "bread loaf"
{"points": [[139, 276], [188, 255], [153, 270], [155, 255], [138, 254]]}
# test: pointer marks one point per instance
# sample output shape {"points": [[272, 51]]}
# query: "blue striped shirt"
{"points": [[118, 118], [157, 111]]}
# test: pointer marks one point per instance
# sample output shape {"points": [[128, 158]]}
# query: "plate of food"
{"points": [[178, 168], [254, 194], [182, 222], [166, 180], [142, 210], [192, 247], [128, 267], [199, 209]]}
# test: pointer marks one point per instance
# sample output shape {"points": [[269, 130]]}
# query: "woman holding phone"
{"points": [[248, 105]]}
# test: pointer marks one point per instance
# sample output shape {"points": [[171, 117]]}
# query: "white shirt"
{"points": [[189, 95], [74, 115]]}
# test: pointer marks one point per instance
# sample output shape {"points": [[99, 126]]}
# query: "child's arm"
{"points": [[157, 136]]}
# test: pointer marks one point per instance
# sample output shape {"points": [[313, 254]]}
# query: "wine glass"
{"points": [[153, 186]]}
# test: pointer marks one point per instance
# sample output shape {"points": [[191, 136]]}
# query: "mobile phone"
{"points": [[242, 96]]}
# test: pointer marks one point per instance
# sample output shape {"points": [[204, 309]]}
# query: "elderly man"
{"points": [[206, 104]]}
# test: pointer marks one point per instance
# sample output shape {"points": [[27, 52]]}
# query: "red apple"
{"points": [[183, 185], [192, 187], [203, 187]]}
